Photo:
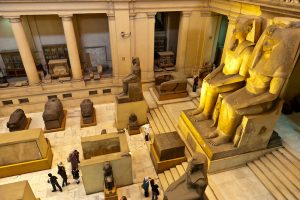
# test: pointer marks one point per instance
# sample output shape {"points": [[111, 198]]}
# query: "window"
{"points": [[106, 91], [7, 102], [25, 100], [52, 96], [68, 95], [93, 92]]}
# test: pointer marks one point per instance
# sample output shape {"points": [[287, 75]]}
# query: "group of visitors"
{"points": [[74, 159], [154, 187]]}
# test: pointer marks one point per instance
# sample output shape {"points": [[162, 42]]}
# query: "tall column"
{"points": [[113, 46], [230, 28], [72, 46], [182, 39], [151, 35], [132, 31], [25, 51]]}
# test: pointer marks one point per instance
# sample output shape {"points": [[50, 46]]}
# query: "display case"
{"points": [[59, 68], [13, 63]]}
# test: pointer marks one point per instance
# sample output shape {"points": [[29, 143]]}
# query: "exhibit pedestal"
{"points": [[124, 110], [169, 95], [61, 128], [110, 195], [94, 122], [28, 123], [29, 145], [227, 156], [17, 190]]}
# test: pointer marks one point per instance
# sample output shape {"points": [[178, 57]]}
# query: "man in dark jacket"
{"points": [[63, 174], [53, 181]]}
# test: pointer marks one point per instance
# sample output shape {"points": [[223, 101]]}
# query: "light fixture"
{"points": [[125, 35]]}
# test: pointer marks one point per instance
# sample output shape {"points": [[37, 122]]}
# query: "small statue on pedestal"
{"points": [[108, 176], [87, 111], [54, 114], [133, 125]]}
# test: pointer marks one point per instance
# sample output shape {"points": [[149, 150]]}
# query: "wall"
{"points": [[172, 30]]}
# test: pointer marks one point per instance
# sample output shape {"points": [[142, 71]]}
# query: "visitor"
{"points": [[155, 191], [195, 84], [54, 183], [145, 186], [75, 174], [63, 174]]}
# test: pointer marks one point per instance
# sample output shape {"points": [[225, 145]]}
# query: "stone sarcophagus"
{"points": [[88, 113], [170, 86], [18, 121], [167, 150], [53, 115]]}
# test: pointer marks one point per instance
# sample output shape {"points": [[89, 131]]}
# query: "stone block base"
{"points": [[61, 128], [93, 123], [161, 166]]}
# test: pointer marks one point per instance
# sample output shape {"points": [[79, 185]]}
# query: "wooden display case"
{"points": [[13, 63]]}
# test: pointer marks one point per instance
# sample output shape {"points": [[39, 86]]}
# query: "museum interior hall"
{"points": [[149, 99]]}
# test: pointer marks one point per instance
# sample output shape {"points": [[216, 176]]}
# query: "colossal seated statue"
{"points": [[132, 87], [17, 121], [191, 185], [231, 74], [53, 114], [272, 62], [87, 111]]}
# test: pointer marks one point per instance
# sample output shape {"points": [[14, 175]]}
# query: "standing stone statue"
{"points": [[108, 176], [53, 114], [132, 87], [133, 125], [192, 184], [17, 121], [87, 111]]}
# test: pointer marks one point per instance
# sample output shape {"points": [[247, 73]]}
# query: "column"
{"points": [[230, 28], [132, 31], [72, 46], [25, 52], [113, 46], [151, 35], [182, 39]]}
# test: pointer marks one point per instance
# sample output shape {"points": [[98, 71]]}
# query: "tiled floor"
{"points": [[239, 183]]}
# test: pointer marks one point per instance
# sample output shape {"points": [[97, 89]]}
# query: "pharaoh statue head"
{"points": [[136, 66]]}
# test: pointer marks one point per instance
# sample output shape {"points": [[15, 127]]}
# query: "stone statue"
{"points": [[231, 74], [132, 87], [108, 176], [133, 125], [272, 62], [17, 121], [191, 185], [53, 114], [87, 111]]}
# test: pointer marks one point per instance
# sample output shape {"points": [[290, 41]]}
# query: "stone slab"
{"points": [[124, 110], [62, 127], [168, 96], [152, 91]]}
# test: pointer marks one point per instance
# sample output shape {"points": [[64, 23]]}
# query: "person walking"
{"points": [[155, 191], [54, 183], [145, 186], [62, 172]]}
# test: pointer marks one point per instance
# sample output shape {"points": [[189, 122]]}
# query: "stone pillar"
{"points": [[25, 52], [230, 28], [132, 31], [72, 46], [151, 35], [182, 39], [113, 46]]}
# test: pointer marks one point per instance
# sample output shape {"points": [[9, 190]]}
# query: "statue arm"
{"points": [[214, 73], [231, 79], [244, 68], [274, 91]]}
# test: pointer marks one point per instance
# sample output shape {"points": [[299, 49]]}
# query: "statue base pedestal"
{"points": [[133, 130], [161, 166], [224, 156], [28, 123], [124, 110], [61, 128], [169, 95], [93, 123], [110, 195]]}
